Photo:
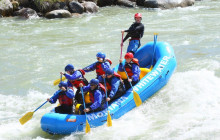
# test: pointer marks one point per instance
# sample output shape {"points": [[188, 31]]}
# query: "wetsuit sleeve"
{"points": [[90, 67], [128, 33], [69, 84], [136, 72], [121, 67], [76, 75], [106, 66], [86, 88], [70, 93], [97, 100], [55, 96], [115, 84]]}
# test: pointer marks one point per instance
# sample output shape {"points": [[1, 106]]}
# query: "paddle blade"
{"points": [[26, 117], [56, 82], [87, 127], [109, 120], [151, 67], [137, 99]]}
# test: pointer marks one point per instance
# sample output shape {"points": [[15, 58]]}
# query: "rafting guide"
{"points": [[135, 32]]}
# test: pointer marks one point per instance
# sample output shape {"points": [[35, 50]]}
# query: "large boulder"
{"points": [[165, 4], [15, 5], [6, 8], [26, 13], [76, 7], [125, 3], [45, 6], [58, 14], [90, 7], [103, 3], [81, 1]]}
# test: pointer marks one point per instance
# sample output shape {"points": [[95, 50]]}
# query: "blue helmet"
{"points": [[109, 72], [100, 55], [69, 67], [94, 82], [62, 84]]}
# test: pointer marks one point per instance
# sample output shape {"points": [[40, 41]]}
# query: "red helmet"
{"points": [[138, 15], [129, 55]]}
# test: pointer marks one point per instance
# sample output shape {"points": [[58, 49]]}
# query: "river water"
{"points": [[33, 52]]}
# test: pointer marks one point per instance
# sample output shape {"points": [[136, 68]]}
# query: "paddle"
{"points": [[155, 41], [121, 45], [87, 123], [56, 82], [29, 115], [137, 98], [109, 119]]}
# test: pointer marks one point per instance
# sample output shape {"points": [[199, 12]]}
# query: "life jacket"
{"points": [[128, 66], [98, 67], [91, 92], [64, 100], [82, 80], [108, 82]]}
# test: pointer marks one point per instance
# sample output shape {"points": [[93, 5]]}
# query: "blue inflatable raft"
{"points": [[164, 62]]}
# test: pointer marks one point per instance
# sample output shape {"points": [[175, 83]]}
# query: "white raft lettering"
{"points": [[153, 74], [94, 116]]}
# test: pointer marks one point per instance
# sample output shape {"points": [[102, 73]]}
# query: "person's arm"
{"points": [[97, 100], [115, 84], [128, 33], [54, 98], [69, 84], [90, 67], [106, 66], [136, 72], [76, 75], [86, 88]]}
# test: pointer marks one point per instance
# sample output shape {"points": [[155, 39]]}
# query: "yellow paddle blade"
{"points": [[151, 67], [56, 82], [26, 117], [109, 120], [87, 127], [137, 99]]}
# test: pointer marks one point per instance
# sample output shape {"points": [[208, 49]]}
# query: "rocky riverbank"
{"points": [[66, 8]]}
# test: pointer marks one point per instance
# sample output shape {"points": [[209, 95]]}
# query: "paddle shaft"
{"points": [[121, 45], [155, 41], [83, 101], [106, 92], [40, 106]]}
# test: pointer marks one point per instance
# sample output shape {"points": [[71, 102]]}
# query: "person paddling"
{"points": [[65, 97], [75, 77], [114, 84], [135, 32], [132, 69], [100, 66], [97, 94]]}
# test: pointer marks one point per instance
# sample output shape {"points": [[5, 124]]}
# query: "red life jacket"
{"points": [[91, 92], [108, 83], [82, 80], [64, 100], [128, 67], [99, 69]]}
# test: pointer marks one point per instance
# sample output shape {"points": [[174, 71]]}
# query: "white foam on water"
{"points": [[13, 107]]}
